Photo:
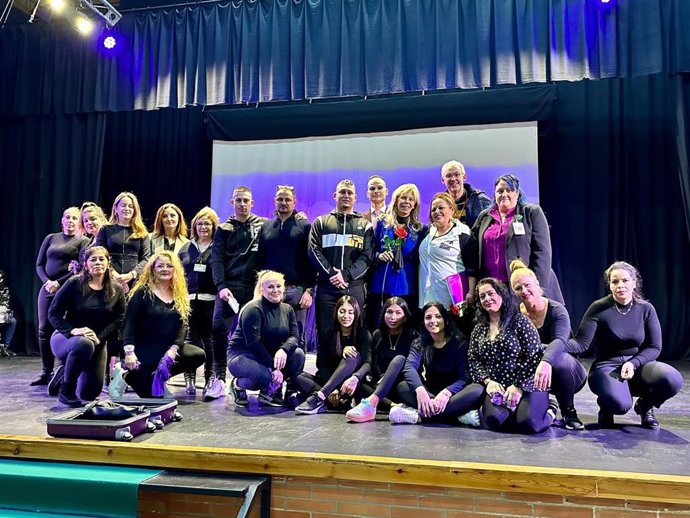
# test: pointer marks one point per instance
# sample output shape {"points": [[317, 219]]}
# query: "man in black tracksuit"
{"points": [[233, 255], [341, 250]]}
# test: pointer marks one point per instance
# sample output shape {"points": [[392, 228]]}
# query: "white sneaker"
{"points": [[401, 414], [471, 418], [117, 386], [216, 389]]}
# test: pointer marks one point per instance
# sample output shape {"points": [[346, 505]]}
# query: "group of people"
{"points": [[414, 318]]}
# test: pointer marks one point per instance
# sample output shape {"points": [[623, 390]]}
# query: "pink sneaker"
{"points": [[362, 413]]}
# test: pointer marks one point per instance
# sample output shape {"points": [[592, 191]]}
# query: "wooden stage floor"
{"points": [[216, 436]]}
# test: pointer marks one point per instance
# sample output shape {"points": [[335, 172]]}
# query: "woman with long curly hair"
{"points": [[154, 329]]}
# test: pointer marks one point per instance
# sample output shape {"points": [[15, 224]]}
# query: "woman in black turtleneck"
{"points": [[52, 266], [263, 351], [625, 330]]}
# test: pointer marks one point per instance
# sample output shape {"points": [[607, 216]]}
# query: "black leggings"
{"points": [[459, 403], [45, 330], [200, 323], [189, 358], [529, 417], [253, 375], [324, 380], [568, 376], [383, 388], [84, 364], [655, 382]]}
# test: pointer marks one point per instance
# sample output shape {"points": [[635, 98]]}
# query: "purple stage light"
{"points": [[109, 42]]}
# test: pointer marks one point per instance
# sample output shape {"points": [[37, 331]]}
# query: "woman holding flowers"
{"points": [[396, 238], [447, 256]]}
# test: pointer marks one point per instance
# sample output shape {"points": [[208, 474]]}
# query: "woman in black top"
{"points": [[625, 330], [52, 266], [169, 229], [91, 219], [87, 310], [264, 349], [444, 393], [505, 350], [343, 364], [154, 329], [126, 238], [558, 371], [391, 344], [195, 256]]}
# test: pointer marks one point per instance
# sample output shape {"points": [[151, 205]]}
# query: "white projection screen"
{"points": [[315, 165]]}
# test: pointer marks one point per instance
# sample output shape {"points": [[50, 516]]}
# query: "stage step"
{"points": [[69, 489]]}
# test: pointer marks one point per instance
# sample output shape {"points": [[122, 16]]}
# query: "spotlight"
{"points": [[84, 25], [605, 1], [109, 42], [57, 5]]}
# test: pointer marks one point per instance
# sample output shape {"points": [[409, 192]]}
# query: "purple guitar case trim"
{"points": [[69, 425], [163, 411]]}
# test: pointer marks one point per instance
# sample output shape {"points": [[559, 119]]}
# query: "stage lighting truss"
{"points": [[103, 9]]}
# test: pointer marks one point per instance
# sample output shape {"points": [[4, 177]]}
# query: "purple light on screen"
{"points": [[109, 42]]}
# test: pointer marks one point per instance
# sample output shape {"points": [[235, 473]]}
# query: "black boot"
{"points": [[56, 380], [646, 412], [68, 396], [190, 383]]}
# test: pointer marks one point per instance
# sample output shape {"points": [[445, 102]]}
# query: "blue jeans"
{"points": [[7, 332]]}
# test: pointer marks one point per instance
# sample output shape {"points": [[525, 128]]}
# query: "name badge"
{"points": [[518, 228], [199, 267]]}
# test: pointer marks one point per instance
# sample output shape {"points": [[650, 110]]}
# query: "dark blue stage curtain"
{"points": [[46, 164], [268, 50]]}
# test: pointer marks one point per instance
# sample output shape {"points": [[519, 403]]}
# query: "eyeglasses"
{"points": [[290, 188]]}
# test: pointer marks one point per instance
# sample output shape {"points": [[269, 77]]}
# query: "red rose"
{"points": [[400, 232]]}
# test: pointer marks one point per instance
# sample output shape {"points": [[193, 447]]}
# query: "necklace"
{"points": [[615, 305], [390, 341]]}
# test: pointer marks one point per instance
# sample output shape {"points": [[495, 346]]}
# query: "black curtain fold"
{"points": [[48, 164], [162, 156], [287, 50]]}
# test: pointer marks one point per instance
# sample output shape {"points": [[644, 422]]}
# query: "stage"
{"points": [[626, 463]]}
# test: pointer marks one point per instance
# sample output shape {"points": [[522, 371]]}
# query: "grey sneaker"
{"points": [[215, 390], [313, 405], [471, 418], [401, 414]]}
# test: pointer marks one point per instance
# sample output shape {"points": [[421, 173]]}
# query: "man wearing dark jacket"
{"points": [[469, 202], [283, 244], [233, 255], [341, 250]]}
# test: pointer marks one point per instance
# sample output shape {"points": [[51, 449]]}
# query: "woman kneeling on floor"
{"points": [[86, 312], [505, 350], [444, 394], [345, 367], [264, 349], [154, 330], [390, 346]]}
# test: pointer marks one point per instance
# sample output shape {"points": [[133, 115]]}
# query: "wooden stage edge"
{"points": [[464, 475]]}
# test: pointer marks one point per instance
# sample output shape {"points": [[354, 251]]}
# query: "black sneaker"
{"points": [[313, 405], [571, 420], [56, 380], [68, 397], [605, 420], [647, 417], [275, 400], [43, 379], [553, 408], [239, 395]]}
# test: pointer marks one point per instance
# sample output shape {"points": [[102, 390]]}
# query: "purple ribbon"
{"points": [[161, 375]]}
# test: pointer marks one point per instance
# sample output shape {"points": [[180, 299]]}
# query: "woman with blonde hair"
{"points": [[169, 229], [264, 349], [126, 239], [195, 256], [396, 240], [154, 330], [53, 261], [558, 372]]}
